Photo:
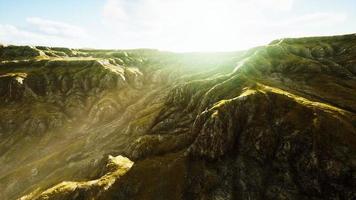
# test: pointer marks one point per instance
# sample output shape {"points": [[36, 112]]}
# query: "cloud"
{"points": [[56, 28], [44, 32], [115, 10], [311, 24], [282, 5], [13, 35], [314, 19]]}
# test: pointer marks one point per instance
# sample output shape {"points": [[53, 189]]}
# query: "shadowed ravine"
{"points": [[274, 122]]}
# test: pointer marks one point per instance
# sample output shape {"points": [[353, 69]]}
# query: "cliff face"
{"points": [[274, 122]]}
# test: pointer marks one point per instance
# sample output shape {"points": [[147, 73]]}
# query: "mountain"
{"points": [[273, 122]]}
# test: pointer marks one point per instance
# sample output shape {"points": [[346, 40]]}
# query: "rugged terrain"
{"points": [[274, 122]]}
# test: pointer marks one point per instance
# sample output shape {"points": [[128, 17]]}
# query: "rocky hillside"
{"points": [[274, 122]]}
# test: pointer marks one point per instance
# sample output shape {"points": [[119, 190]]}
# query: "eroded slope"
{"points": [[280, 126], [276, 122], [63, 113]]}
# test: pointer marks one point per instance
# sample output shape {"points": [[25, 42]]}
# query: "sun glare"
{"points": [[203, 26], [183, 25]]}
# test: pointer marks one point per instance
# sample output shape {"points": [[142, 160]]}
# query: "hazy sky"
{"points": [[176, 25]]}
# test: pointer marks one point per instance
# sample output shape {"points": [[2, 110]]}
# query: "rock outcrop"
{"points": [[116, 167]]}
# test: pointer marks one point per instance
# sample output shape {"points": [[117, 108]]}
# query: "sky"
{"points": [[173, 25]]}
